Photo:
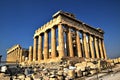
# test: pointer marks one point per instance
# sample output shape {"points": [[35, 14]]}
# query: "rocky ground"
{"points": [[106, 75], [63, 70]]}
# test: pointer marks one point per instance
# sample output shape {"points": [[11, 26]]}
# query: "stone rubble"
{"points": [[63, 70]]}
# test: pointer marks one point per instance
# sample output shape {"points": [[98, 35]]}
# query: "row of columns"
{"points": [[98, 47], [93, 49], [46, 47]]}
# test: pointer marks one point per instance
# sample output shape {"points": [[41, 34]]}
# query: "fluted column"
{"points": [[100, 47], [30, 53], [104, 50], [35, 49], [53, 43], [91, 46], [46, 45], [78, 45], [61, 40], [39, 48], [85, 45], [96, 47], [70, 44]]}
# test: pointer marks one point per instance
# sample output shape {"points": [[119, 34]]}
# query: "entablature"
{"points": [[17, 46]]}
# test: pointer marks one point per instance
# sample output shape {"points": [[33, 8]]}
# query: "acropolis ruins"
{"points": [[64, 48], [63, 36]]}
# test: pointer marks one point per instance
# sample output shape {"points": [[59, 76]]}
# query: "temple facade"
{"points": [[17, 54], [66, 36]]}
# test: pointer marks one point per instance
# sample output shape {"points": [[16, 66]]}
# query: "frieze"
{"points": [[78, 25], [13, 48], [47, 26]]}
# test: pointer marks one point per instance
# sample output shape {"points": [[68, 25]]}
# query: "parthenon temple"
{"points": [[65, 36]]}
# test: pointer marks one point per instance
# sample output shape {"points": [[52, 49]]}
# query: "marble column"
{"points": [[39, 48], [100, 47], [46, 47], [53, 43], [85, 45], [35, 49], [91, 46], [104, 50], [70, 44], [61, 41], [78, 45], [96, 47], [30, 53]]}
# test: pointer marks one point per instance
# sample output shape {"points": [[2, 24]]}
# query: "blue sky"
{"points": [[20, 18]]}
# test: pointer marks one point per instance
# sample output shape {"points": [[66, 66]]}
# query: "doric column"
{"points": [[39, 48], [30, 53], [61, 40], [96, 47], [53, 43], [70, 44], [91, 46], [35, 49], [85, 45], [100, 47], [78, 45], [46, 46], [104, 50]]}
